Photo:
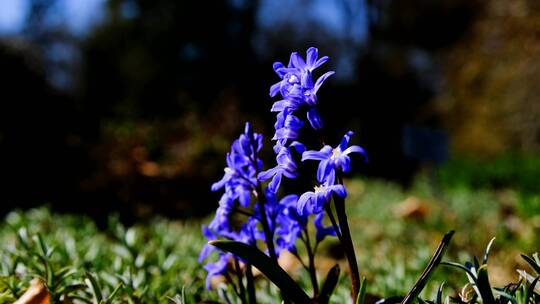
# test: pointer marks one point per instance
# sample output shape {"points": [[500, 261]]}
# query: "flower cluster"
{"points": [[239, 182], [299, 93], [281, 223]]}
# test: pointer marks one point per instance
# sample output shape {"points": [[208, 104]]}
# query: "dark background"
{"points": [[134, 110]]}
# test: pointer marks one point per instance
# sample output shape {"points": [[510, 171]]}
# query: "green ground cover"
{"points": [[395, 232]]}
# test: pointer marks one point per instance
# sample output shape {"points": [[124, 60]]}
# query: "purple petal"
{"points": [[344, 162], [274, 184], [279, 106], [290, 174], [278, 68], [307, 80], [321, 80], [289, 200], [345, 141], [297, 61], [311, 56], [265, 175], [304, 201], [298, 146], [293, 122], [325, 169], [218, 185], [320, 62], [317, 155], [322, 231], [331, 179], [339, 190], [321, 198], [244, 198], [356, 149], [280, 118], [314, 119], [208, 233], [285, 133], [208, 281], [207, 249], [274, 89]]}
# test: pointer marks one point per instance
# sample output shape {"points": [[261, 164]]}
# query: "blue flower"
{"points": [[297, 87], [249, 144], [219, 267], [312, 202], [332, 159], [240, 176], [220, 222], [290, 224], [322, 231], [286, 166], [210, 236], [297, 73], [287, 127]]}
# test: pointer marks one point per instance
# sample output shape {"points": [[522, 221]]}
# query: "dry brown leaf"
{"points": [[412, 207], [37, 293]]}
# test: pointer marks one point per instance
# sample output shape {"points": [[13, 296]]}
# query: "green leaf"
{"points": [[329, 284], [530, 291], [114, 293], [532, 263], [467, 270], [362, 293], [483, 285], [424, 277], [439, 294], [68, 289], [92, 282], [267, 266], [506, 295]]}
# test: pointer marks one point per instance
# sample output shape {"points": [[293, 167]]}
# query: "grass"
{"points": [[395, 232]]}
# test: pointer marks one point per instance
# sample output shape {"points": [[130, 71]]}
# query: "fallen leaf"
{"points": [[37, 293]]}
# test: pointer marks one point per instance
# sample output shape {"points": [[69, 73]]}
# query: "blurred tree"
{"points": [[151, 96], [491, 96]]}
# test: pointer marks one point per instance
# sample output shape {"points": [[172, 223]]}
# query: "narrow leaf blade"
{"points": [[267, 266], [424, 277], [329, 284]]}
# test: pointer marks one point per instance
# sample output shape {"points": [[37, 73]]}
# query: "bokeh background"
{"points": [[129, 106]]}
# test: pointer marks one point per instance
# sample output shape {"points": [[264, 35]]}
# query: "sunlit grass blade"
{"points": [[433, 263], [488, 249], [530, 291], [93, 284], [439, 294], [532, 263], [362, 293]]}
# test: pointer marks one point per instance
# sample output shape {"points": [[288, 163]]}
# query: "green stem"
{"points": [[261, 200], [240, 283], [347, 242], [250, 285], [328, 209], [312, 270]]}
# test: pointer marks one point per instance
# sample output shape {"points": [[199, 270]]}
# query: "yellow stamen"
{"points": [[319, 189], [335, 153]]}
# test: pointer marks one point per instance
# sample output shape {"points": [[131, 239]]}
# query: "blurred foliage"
{"points": [[515, 174], [395, 232]]}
